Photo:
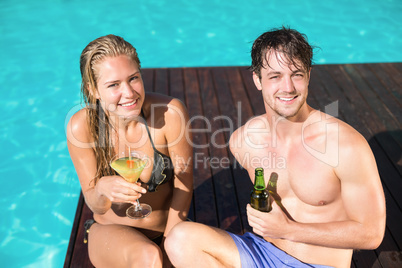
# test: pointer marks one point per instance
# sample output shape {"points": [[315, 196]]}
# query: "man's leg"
{"points": [[191, 244]]}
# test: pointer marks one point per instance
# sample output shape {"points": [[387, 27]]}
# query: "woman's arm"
{"points": [[181, 152], [109, 189]]}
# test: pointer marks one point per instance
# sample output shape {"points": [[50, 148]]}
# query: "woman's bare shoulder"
{"points": [[163, 106], [78, 129]]}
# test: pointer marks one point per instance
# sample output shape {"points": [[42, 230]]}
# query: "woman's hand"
{"points": [[117, 189]]}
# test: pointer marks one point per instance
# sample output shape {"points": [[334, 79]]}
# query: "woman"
{"points": [[119, 114]]}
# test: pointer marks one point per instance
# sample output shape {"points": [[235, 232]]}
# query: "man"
{"points": [[328, 197]]}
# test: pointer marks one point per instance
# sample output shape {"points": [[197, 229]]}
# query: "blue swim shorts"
{"points": [[256, 252]]}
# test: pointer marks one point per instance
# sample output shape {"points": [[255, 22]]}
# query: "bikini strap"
{"points": [[149, 134]]}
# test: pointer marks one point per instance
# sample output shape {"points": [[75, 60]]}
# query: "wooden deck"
{"points": [[369, 98]]}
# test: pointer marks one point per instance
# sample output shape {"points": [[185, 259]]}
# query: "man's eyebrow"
{"points": [[273, 72], [298, 70]]}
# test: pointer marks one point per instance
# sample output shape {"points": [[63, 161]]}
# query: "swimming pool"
{"points": [[40, 45]]}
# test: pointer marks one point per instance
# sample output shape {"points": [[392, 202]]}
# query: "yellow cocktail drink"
{"points": [[129, 168], [129, 165]]}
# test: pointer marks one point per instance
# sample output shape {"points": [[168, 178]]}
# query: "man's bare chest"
{"points": [[301, 177]]}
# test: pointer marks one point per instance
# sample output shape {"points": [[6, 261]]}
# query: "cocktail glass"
{"points": [[130, 165]]}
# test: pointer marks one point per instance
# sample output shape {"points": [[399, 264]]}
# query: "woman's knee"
{"points": [[148, 255], [120, 246]]}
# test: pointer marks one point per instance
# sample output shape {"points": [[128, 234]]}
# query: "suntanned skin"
{"points": [[112, 240], [329, 191]]}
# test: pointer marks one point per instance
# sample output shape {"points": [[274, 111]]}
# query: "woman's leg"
{"points": [[121, 246], [191, 244]]}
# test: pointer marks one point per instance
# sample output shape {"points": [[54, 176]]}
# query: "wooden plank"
{"points": [[364, 258], [242, 113], [177, 90], [227, 106], [377, 107], [254, 95], [391, 180], [389, 259], [345, 106], [73, 238], [391, 147], [78, 254], [161, 81], [205, 210], [393, 106], [148, 79], [381, 111], [394, 70], [361, 109], [317, 94], [176, 86], [239, 96], [389, 81], [397, 66], [348, 110], [227, 207]]}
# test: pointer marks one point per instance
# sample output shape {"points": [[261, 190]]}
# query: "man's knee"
{"points": [[177, 238], [175, 235]]}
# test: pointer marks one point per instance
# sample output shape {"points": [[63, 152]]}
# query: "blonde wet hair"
{"points": [[98, 121]]}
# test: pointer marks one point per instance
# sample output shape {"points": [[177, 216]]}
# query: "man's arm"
{"points": [[363, 199], [249, 142]]}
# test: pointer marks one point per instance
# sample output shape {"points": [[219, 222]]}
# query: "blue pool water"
{"points": [[40, 44]]}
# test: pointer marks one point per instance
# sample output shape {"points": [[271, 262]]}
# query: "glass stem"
{"points": [[138, 206]]}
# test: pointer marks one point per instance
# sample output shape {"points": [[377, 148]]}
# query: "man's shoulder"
{"points": [[320, 122], [254, 125], [257, 122], [254, 130], [344, 131], [329, 138]]}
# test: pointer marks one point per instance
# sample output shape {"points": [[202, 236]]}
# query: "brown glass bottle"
{"points": [[259, 196]]}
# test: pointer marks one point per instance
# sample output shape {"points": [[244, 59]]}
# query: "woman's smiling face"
{"points": [[120, 88]]}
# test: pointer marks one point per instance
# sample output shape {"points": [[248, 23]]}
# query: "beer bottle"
{"points": [[259, 196], [272, 185]]}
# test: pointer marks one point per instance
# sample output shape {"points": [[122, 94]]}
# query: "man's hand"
{"points": [[273, 224]]}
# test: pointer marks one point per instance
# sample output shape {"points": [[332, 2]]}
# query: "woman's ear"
{"points": [[257, 81]]}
